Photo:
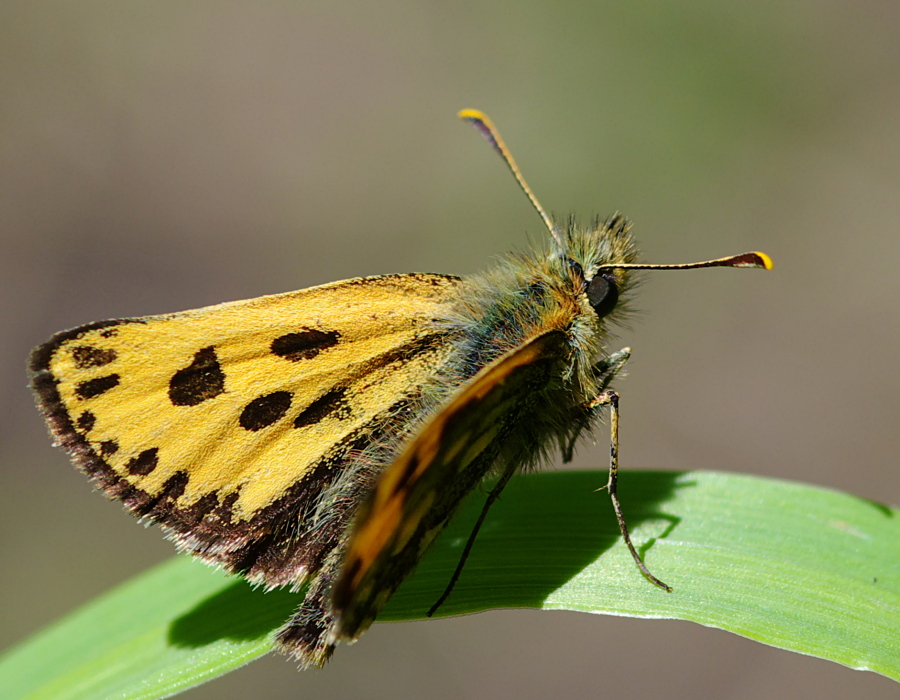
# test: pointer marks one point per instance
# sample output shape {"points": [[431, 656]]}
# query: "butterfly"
{"points": [[323, 438]]}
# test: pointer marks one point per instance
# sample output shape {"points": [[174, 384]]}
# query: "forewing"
{"points": [[416, 495], [225, 424]]}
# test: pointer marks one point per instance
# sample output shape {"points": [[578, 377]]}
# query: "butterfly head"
{"points": [[593, 257]]}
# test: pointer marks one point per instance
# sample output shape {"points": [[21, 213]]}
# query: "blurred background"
{"points": [[162, 156]]}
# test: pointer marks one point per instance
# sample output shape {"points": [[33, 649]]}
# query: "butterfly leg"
{"points": [[611, 399], [492, 496], [604, 371]]}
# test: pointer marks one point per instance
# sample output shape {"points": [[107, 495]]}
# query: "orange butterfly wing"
{"points": [[417, 494]]}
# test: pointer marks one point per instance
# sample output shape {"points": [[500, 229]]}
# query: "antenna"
{"points": [[482, 122], [754, 259]]}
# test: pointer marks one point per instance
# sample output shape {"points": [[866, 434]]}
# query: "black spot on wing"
{"points": [[265, 410], [87, 356], [201, 380], [108, 448], [329, 404], [94, 387], [41, 355], [145, 462], [304, 345], [109, 332], [86, 421]]}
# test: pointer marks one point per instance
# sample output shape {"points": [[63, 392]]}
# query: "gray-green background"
{"points": [[162, 156]]}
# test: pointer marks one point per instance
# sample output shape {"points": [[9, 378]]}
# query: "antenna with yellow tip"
{"points": [[755, 259], [482, 122]]}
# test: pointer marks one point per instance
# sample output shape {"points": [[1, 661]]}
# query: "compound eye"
{"points": [[602, 294]]}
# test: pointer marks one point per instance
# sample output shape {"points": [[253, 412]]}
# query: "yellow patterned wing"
{"points": [[230, 425]]}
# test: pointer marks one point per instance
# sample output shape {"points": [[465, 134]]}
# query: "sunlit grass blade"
{"points": [[798, 567]]}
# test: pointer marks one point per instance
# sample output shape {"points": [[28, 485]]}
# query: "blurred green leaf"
{"points": [[798, 567]]}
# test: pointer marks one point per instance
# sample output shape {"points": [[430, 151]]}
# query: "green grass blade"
{"points": [[798, 567]]}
